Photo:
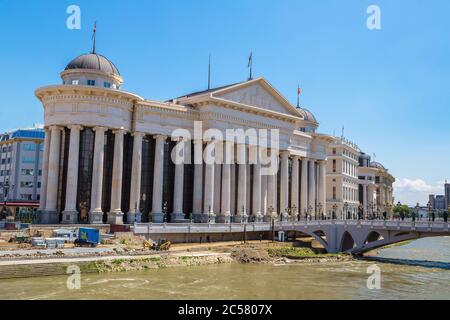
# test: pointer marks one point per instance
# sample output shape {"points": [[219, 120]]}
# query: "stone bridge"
{"points": [[351, 236]]}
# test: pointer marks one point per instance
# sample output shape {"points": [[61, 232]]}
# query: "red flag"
{"points": [[299, 90]]}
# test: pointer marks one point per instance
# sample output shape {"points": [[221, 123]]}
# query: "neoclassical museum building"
{"points": [[108, 153]]}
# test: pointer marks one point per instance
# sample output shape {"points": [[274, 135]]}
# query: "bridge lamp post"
{"points": [[417, 210], [335, 206], [309, 211], [345, 210], [320, 206], [429, 210]]}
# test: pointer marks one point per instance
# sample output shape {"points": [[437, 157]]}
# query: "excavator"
{"points": [[162, 245]]}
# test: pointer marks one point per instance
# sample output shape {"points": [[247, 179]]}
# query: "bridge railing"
{"points": [[145, 228]]}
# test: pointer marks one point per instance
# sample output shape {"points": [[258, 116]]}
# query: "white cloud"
{"points": [[411, 191], [418, 185]]}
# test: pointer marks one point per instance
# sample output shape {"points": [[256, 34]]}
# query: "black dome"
{"points": [[93, 61]]}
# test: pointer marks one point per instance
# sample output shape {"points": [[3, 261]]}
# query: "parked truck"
{"points": [[87, 237]]}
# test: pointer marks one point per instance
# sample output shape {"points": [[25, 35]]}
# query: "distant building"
{"points": [[21, 153], [438, 202], [375, 187], [342, 179]]}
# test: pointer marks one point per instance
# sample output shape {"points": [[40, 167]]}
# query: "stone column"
{"points": [[198, 181], [312, 189], [263, 195], [225, 212], [256, 199], [304, 188], [208, 210], [51, 215], [364, 200], [241, 210], [177, 214], [70, 214], [284, 184], [322, 196], [96, 213], [295, 188], [44, 176], [158, 180], [233, 191], [115, 215], [135, 192], [271, 193]]}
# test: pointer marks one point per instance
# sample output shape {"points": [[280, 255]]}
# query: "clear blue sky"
{"points": [[390, 88]]}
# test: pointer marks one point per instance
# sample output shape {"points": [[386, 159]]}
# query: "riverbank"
{"points": [[184, 256]]}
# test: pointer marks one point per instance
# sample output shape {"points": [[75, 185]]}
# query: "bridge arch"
{"points": [[372, 237], [347, 242]]}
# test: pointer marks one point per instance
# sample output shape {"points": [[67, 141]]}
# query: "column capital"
{"points": [[75, 127], [100, 129], [55, 127], [160, 137], [119, 131], [138, 134], [295, 157], [284, 153]]}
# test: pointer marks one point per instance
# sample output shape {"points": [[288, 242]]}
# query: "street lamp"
{"points": [[417, 208], [335, 206], [320, 206], [308, 212], [345, 210], [429, 210]]}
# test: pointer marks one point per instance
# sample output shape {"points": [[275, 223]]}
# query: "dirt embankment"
{"points": [[283, 254]]}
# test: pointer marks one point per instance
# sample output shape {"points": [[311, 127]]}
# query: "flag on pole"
{"points": [[250, 65], [299, 91], [94, 34]]}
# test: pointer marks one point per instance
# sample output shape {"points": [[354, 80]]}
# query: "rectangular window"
{"points": [[40, 172], [334, 193], [28, 159], [27, 172], [334, 150], [107, 85], [75, 82], [91, 82], [26, 184], [29, 147], [39, 184]]}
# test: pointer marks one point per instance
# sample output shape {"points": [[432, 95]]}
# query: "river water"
{"points": [[410, 277]]}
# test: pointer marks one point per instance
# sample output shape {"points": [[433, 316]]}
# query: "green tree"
{"points": [[402, 209]]}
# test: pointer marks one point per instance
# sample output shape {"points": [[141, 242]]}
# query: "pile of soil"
{"points": [[247, 254]]}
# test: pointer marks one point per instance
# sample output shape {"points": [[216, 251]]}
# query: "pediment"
{"points": [[258, 93]]}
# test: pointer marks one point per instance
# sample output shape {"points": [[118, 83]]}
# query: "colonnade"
{"points": [[230, 199]]}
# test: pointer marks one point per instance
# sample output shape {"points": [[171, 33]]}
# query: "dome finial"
{"points": [[94, 35]]}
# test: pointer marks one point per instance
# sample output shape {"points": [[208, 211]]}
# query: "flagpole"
{"points": [[94, 36], [209, 72]]}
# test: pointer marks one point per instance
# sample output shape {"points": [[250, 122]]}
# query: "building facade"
{"points": [[21, 153], [113, 156], [375, 188], [342, 179]]}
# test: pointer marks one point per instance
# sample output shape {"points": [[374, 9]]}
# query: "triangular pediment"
{"points": [[257, 93]]}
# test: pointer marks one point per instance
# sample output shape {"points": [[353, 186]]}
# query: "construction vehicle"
{"points": [[87, 237], [162, 245]]}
